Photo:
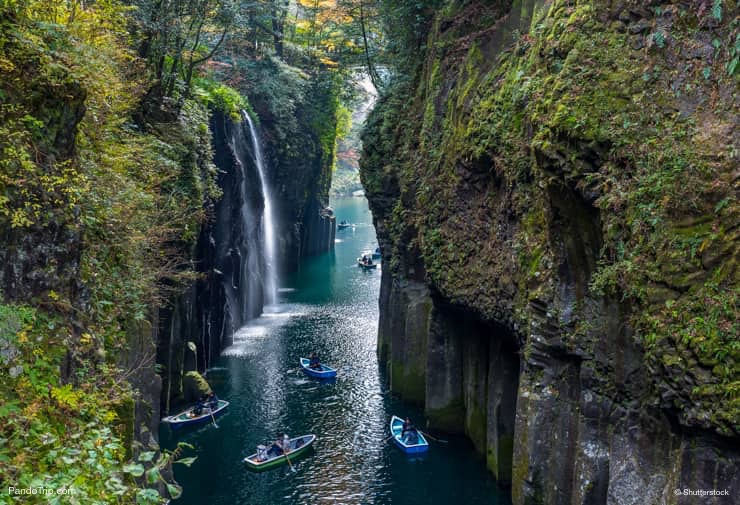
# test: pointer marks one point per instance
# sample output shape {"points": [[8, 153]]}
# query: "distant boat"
{"points": [[364, 263], [416, 446], [374, 254], [187, 417], [324, 372], [297, 447], [343, 224]]}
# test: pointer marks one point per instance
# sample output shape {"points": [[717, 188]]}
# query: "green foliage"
{"points": [[56, 435], [732, 63], [37, 53], [705, 328], [659, 39], [178, 36], [344, 121], [221, 97], [301, 112], [717, 10], [407, 25], [132, 197], [324, 117]]}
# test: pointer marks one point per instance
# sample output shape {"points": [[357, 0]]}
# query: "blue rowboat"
{"points": [[407, 446], [324, 372], [188, 417]]}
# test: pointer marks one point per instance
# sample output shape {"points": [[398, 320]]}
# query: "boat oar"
{"points": [[292, 468], [213, 418], [384, 441], [433, 438]]}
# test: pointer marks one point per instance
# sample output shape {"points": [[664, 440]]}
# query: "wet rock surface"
{"points": [[229, 255]]}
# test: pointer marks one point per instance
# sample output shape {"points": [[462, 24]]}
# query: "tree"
{"points": [[179, 35]]}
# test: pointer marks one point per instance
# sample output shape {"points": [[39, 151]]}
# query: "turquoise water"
{"points": [[329, 307]]}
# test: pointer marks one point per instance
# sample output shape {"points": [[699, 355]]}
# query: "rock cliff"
{"points": [[297, 114], [299, 148], [554, 190], [229, 260]]}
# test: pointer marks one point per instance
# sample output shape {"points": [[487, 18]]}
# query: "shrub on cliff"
{"points": [[97, 217]]}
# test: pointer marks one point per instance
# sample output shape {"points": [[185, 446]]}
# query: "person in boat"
{"points": [[314, 363], [199, 406], [262, 453], [408, 432], [276, 449], [212, 401]]}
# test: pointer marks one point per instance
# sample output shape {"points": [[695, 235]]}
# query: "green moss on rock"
{"points": [[448, 418], [194, 386], [476, 426], [125, 410], [408, 382], [630, 129]]}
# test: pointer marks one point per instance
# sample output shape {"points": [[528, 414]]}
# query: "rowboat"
{"points": [[419, 445], [188, 418], [372, 253], [343, 225], [297, 447], [366, 266], [324, 372]]}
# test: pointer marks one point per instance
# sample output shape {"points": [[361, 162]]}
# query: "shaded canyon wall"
{"points": [[535, 206], [229, 260], [229, 256]]}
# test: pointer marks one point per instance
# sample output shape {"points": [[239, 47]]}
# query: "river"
{"points": [[329, 307]]}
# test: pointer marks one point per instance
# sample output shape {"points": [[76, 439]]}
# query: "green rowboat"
{"points": [[298, 447]]}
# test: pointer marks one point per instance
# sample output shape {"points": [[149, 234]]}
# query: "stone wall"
{"points": [[530, 190]]}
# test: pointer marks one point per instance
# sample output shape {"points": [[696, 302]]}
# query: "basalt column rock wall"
{"points": [[557, 212], [229, 255], [230, 263]]}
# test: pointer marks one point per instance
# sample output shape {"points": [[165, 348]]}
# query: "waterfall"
{"points": [[242, 261], [268, 217]]}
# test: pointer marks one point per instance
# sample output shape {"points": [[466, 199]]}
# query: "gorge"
{"points": [[552, 185]]}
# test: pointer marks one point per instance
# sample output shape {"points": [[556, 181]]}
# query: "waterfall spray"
{"points": [[268, 218]]}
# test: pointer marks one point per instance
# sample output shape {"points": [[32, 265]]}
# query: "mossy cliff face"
{"points": [[100, 203], [558, 180]]}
